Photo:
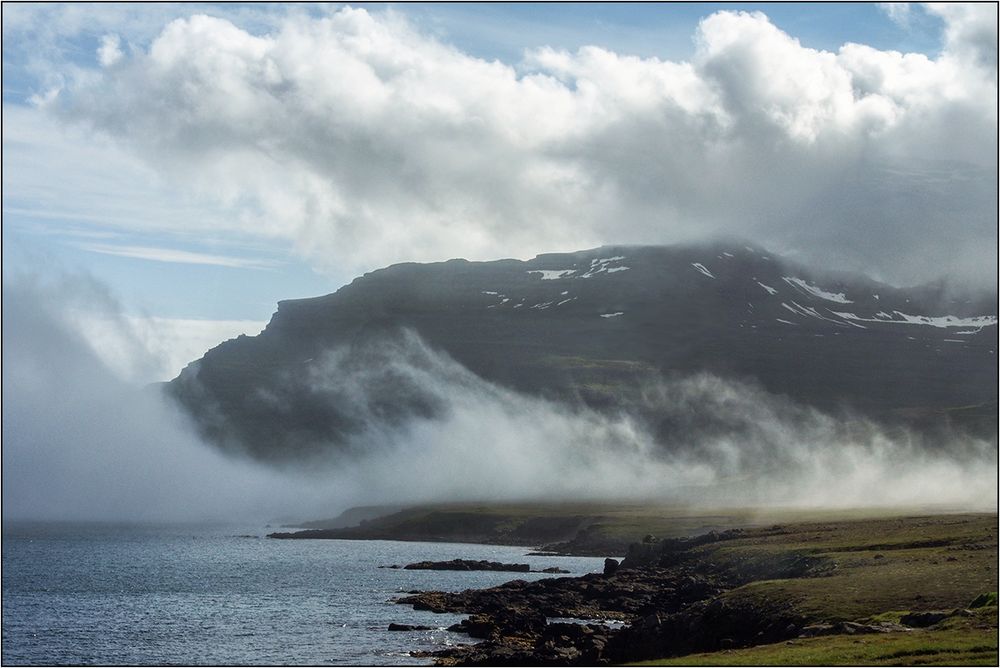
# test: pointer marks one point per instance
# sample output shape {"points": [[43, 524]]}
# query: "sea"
{"points": [[227, 595]]}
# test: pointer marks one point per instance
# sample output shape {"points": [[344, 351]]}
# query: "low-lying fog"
{"points": [[82, 442]]}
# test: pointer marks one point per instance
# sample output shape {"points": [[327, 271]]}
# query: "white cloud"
{"points": [[362, 141], [110, 51], [136, 349], [898, 12], [82, 443], [970, 31], [175, 342], [176, 256], [55, 171]]}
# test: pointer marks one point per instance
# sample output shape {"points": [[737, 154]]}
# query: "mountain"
{"points": [[595, 326]]}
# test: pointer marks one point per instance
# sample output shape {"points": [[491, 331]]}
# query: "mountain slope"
{"points": [[597, 326]]}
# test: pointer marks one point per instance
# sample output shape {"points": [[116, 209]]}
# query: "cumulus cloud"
{"points": [[970, 31], [363, 141]]}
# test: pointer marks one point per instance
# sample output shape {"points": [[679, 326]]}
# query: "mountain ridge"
{"points": [[590, 326]]}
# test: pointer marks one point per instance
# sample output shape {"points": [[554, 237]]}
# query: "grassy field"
{"points": [[879, 565], [966, 641], [596, 528], [879, 570]]}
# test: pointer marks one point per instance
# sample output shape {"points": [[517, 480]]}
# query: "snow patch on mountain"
{"points": [[552, 274], [815, 291], [770, 290], [700, 267], [810, 312], [943, 321], [603, 265], [612, 315]]}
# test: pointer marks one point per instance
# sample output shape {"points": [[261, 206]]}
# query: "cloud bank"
{"points": [[361, 141], [423, 423], [80, 442]]}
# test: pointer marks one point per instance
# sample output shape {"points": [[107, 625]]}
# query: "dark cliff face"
{"points": [[595, 327]]}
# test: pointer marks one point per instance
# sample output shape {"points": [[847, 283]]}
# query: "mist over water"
{"points": [[82, 442]]}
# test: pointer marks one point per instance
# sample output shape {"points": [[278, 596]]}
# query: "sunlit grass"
{"points": [[969, 645]]}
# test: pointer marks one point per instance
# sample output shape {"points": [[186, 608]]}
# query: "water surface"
{"points": [[110, 594]]}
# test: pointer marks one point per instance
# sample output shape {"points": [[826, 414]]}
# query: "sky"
{"points": [[204, 161]]}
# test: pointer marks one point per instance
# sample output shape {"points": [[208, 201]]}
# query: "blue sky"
{"points": [[665, 31], [123, 157]]}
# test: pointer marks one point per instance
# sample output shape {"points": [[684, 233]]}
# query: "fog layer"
{"points": [[444, 433], [82, 443], [79, 442]]}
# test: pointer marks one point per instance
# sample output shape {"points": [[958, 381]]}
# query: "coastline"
{"points": [[591, 529], [883, 578]]}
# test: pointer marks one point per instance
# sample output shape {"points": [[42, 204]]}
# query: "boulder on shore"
{"points": [[409, 627]]}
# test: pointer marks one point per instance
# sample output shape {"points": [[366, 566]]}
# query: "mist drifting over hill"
{"points": [[415, 424]]}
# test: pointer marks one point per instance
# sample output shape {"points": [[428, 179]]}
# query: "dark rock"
{"points": [[924, 619], [814, 630], [848, 628], [467, 565], [409, 627], [650, 621], [671, 551], [553, 569], [673, 610], [851, 628], [610, 566], [476, 626]]}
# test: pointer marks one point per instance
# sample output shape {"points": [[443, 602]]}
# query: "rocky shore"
{"points": [[659, 586], [671, 597], [474, 565]]}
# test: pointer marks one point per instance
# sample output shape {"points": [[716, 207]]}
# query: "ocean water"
{"points": [[108, 594]]}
